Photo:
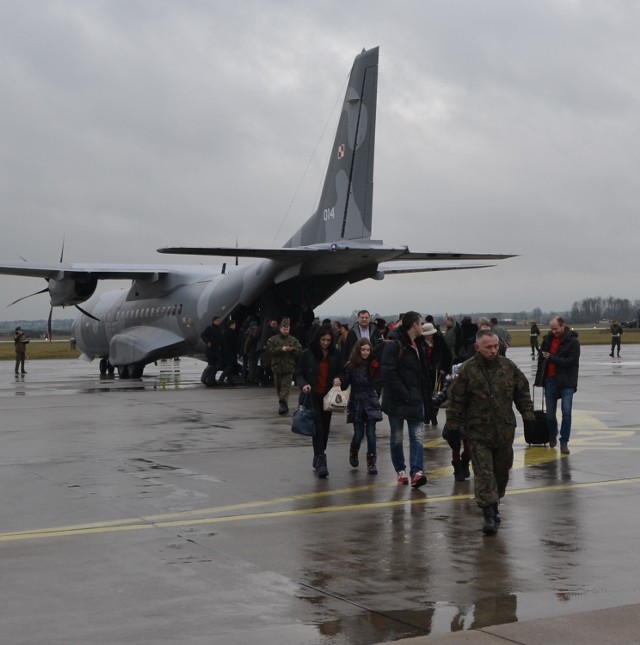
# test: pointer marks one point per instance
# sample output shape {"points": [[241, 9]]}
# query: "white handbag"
{"points": [[336, 400]]}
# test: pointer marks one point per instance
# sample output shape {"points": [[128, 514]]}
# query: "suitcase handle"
{"points": [[533, 397]]}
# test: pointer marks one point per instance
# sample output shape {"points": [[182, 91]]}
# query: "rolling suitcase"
{"points": [[540, 433]]}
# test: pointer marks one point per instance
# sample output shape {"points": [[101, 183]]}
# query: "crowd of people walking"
{"points": [[408, 370]]}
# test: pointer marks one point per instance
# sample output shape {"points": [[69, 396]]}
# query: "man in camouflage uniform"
{"points": [[283, 350], [483, 396]]}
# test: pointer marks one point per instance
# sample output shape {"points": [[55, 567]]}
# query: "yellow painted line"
{"points": [[592, 434], [95, 529]]}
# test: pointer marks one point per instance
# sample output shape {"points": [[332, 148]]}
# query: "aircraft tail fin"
{"points": [[344, 211]]}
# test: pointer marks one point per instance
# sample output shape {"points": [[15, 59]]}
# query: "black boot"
{"points": [[458, 473], [353, 457], [464, 460], [282, 409], [314, 463], [372, 458], [323, 471], [489, 526], [496, 514]]}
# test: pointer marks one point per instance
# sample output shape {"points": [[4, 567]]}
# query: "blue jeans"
{"points": [[416, 448], [551, 396], [359, 428]]}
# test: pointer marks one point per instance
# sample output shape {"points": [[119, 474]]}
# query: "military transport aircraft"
{"points": [[167, 306]]}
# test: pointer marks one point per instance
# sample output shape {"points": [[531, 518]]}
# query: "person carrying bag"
{"points": [[316, 373], [336, 400], [303, 421]]}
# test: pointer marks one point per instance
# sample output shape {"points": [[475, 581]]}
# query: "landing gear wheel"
{"points": [[103, 366], [136, 370]]}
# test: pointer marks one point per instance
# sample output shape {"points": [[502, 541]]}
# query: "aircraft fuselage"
{"points": [[164, 319]]}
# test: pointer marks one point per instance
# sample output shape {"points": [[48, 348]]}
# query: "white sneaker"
{"points": [[402, 477]]}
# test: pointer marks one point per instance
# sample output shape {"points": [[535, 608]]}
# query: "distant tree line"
{"points": [[610, 308], [37, 328], [587, 310]]}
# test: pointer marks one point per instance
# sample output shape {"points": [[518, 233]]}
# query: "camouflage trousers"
{"points": [[491, 466], [282, 382]]}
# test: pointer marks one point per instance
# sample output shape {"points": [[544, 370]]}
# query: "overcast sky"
{"points": [[503, 126]]}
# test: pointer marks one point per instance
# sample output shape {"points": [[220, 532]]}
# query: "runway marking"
{"points": [[591, 433], [149, 522]]}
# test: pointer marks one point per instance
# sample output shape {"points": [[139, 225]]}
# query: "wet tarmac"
{"points": [[158, 511]]}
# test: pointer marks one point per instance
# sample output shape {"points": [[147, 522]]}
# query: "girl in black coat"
{"points": [[316, 373], [364, 405]]}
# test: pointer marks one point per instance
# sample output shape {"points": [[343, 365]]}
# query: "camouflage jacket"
{"points": [[283, 362], [483, 396]]}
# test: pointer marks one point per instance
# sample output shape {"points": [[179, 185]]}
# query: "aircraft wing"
{"points": [[62, 270], [389, 268], [379, 252]]}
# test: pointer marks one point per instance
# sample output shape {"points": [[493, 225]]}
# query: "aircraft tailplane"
{"points": [[344, 211]]}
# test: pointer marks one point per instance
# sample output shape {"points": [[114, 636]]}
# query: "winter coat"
{"points": [[363, 400], [212, 338], [229, 347], [483, 395], [20, 341], [441, 359], [406, 387], [309, 366], [468, 331], [567, 361], [283, 362]]}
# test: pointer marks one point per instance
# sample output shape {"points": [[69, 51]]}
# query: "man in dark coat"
{"points": [[405, 387], [558, 364], [468, 331], [362, 328], [229, 354], [212, 338]]}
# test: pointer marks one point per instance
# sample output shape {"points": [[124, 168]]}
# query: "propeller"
{"points": [[37, 293], [86, 313], [46, 290]]}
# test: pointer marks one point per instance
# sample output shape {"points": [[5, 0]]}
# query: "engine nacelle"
{"points": [[68, 291]]}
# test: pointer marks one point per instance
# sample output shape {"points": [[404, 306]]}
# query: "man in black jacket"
{"points": [[212, 338], [362, 328], [558, 364], [405, 388]]}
